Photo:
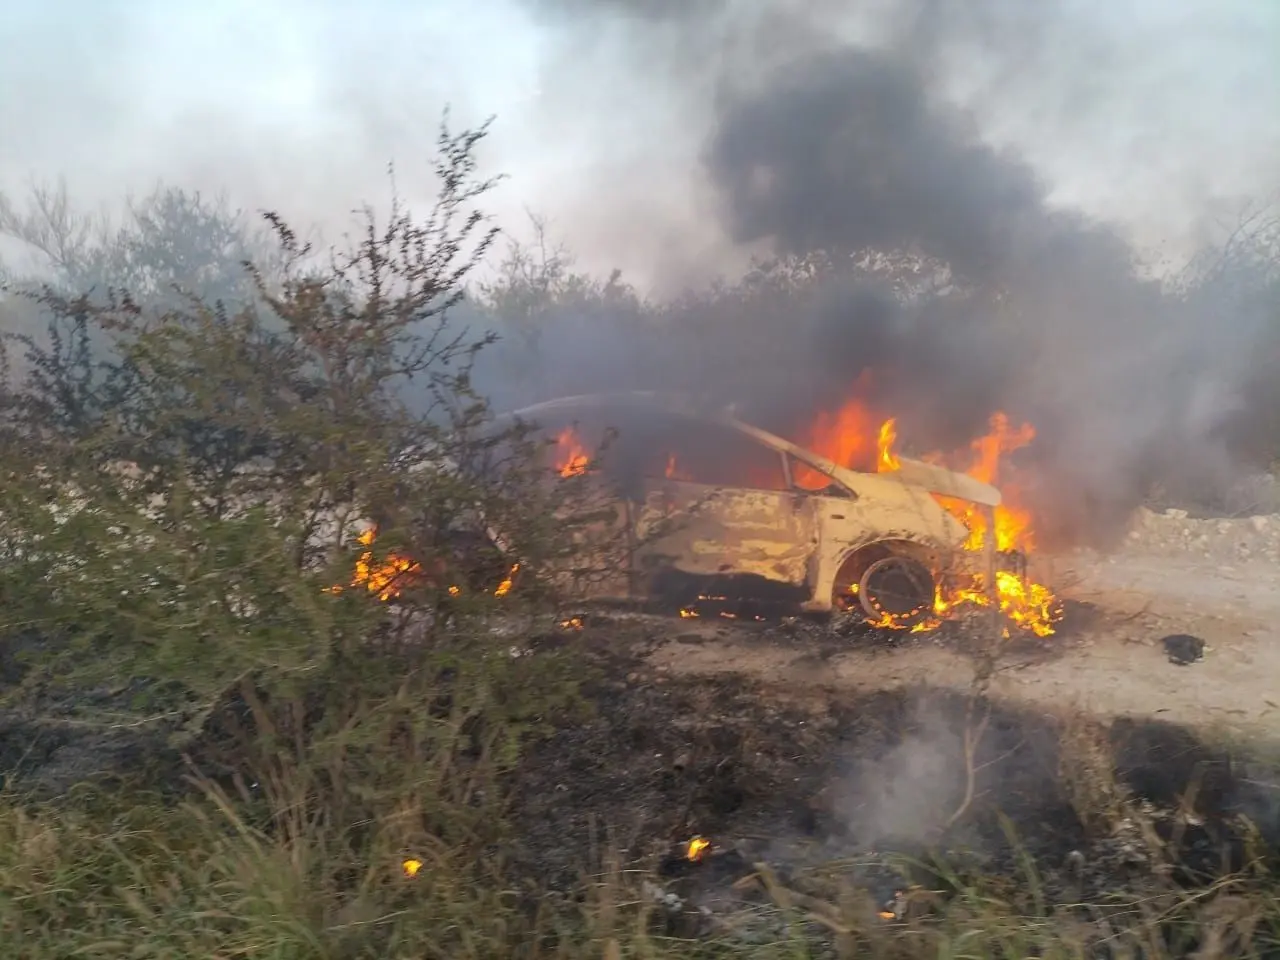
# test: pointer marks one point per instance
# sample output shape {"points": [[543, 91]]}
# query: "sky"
{"points": [[1162, 116]]}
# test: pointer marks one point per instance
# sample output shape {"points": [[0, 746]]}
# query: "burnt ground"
{"points": [[806, 775], [828, 750], [1107, 659], [818, 748]]}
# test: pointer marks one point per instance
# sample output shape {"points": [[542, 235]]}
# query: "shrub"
{"points": [[265, 530]]}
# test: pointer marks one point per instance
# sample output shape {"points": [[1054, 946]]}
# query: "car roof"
{"points": [[680, 406], [911, 472]]}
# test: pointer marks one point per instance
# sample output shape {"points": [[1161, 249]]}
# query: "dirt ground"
{"points": [[739, 735], [803, 745], [1106, 660]]}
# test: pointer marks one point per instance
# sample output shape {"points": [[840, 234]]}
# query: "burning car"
{"points": [[713, 508]]}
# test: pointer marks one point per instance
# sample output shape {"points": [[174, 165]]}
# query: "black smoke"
{"points": [[830, 152], [849, 151], [843, 152]]}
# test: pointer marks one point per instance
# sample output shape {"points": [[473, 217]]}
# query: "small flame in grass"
{"points": [[690, 613], [411, 866], [697, 848], [888, 915], [573, 623], [505, 586]]}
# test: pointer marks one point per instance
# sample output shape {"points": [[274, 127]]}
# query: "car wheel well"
{"points": [[856, 562]]}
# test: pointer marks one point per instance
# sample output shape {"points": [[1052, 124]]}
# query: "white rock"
{"points": [[1258, 523], [1176, 514], [1143, 517]]}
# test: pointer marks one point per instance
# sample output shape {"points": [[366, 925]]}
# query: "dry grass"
{"points": [[1087, 770], [135, 875]]}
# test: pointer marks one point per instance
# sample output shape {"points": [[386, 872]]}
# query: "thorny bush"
{"points": [[184, 491]]}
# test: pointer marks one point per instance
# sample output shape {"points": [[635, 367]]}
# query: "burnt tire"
{"points": [[898, 588]]}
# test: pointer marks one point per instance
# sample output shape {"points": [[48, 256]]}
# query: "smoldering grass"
{"points": [[132, 874]]}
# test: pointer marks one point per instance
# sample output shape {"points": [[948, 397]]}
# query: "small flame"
{"points": [[697, 848], [383, 579], [411, 867], [886, 459], [386, 578], [505, 586], [571, 456], [573, 623]]}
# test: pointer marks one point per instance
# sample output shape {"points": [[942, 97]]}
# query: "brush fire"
{"points": [[387, 577]]}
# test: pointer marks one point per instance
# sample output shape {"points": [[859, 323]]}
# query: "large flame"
{"points": [[853, 436], [1012, 522], [847, 437], [850, 435]]}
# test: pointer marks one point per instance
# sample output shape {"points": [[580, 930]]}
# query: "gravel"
{"points": [[1218, 541]]}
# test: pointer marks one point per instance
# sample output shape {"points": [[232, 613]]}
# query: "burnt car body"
{"points": [[713, 506]]}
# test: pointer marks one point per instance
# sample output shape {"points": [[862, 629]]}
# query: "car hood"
{"points": [[935, 479]]}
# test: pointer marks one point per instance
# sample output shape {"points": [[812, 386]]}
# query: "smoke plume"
{"points": [[951, 193], [845, 143]]}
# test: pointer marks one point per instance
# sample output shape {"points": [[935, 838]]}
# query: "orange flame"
{"points": [[845, 437], [1012, 522], [383, 579], [571, 456], [697, 848], [505, 586], [886, 459], [386, 578]]}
